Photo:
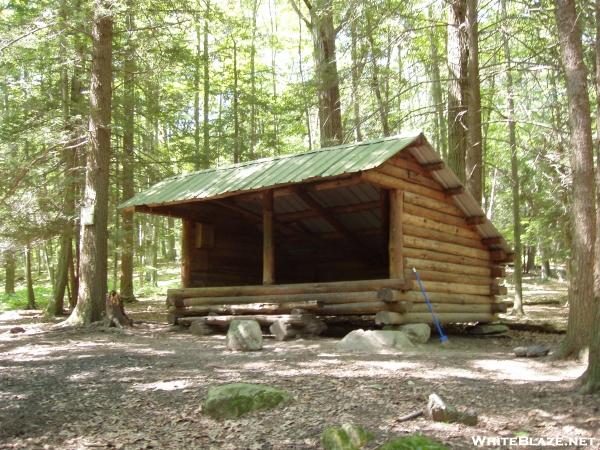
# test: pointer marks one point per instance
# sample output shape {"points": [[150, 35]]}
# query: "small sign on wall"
{"points": [[87, 215], [205, 235]]}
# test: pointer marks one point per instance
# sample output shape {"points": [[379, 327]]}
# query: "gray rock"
{"points": [[417, 332], [229, 401], [531, 351], [439, 411], [346, 437], [375, 340], [488, 328], [200, 328], [244, 335]]}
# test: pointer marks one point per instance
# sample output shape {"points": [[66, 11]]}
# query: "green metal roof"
{"points": [[271, 172]]}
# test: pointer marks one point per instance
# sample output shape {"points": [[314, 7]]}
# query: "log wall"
{"points": [[427, 232]]}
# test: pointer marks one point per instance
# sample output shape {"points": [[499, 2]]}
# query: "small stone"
{"points": [[375, 340], [244, 335], [488, 328], [531, 351], [229, 401], [439, 411], [199, 328], [15, 330], [346, 437]]}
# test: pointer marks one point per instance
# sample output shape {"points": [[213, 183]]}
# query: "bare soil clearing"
{"points": [[143, 388]]}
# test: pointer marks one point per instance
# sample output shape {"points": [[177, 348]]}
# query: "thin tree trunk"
{"points": [[474, 159], [197, 58], [55, 306], [375, 81], [306, 105], [236, 115], [581, 285], [514, 170], [128, 189], [93, 264], [29, 278], [253, 81], [355, 80], [10, 269], [457, 83], [206, 93], [436, 92], [171, 252]]}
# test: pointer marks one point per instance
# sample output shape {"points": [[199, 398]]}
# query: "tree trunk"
{"points": [[253, 82], [355, 72], [93, 264], [29, 279], [474, 159], [56, 304], [375, 81], [171, 252], [328, 83], [436, 91], [514, 170], [591, 378], [10, 269], [206, 94], [306, 104], [236, 115], [457, 83], [197, 58], [581, 285], [127, 227]]}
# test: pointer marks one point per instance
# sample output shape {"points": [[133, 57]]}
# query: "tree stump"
{"points": [[115, 313]]}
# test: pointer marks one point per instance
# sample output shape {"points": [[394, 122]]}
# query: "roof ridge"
{"points": [[292, 155]]}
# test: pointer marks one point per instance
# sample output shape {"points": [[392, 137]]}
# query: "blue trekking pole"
{"points": [[443, 337]]}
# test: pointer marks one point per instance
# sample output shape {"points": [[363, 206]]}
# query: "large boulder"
{"points": [[244, 335], [229, 401], [346, 437], [375, 341]]}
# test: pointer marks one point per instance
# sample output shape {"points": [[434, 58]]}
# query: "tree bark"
{"points": [[29, 278], [436, 92], [93, 263], [457, 82], [581, 285], [328, 84], [236, 115], [591, 378], [10, 269], [197, 58], [474, 158], [206, 93], [127, 227], [355, 72], [514, 169], [375, 80]]}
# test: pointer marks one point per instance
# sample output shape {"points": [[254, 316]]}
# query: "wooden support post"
{"points": [[396, 237], [268, 246], [188, 237]]}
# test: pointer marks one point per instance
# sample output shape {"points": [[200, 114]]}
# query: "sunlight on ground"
{"points": [[526, 370]]}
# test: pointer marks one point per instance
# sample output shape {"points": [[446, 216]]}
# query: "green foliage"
{"points": [[18, 300], [346, 437]]}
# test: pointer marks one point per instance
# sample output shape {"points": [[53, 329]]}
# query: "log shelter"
{"points": [[333, 233]]}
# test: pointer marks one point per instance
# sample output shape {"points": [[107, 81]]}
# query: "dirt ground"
{"points": [[143, 388]]}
